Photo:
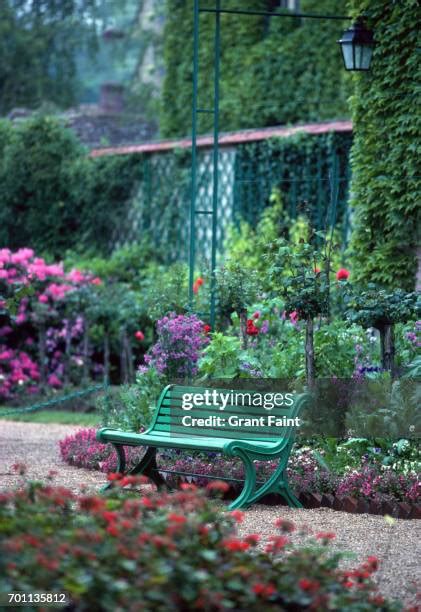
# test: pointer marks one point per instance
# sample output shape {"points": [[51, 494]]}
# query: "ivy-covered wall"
{"points": [[385, 156], [273, 71]]}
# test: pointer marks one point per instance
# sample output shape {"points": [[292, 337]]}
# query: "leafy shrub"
{"points": [[167, 552], [131, 407]]}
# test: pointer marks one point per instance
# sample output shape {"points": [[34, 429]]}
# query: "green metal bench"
{"points": [[247, 442]]}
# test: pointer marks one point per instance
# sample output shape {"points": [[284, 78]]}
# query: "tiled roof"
{"points": [[227, 138]]}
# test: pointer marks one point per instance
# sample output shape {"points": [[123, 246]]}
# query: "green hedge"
{"points": [[53, 196], [385, 184], [273, 71]]}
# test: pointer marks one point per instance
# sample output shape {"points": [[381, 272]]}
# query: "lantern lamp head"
{"points": [[357, 47]]}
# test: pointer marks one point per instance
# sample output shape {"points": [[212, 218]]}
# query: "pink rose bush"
{"points": [[33, 325]]}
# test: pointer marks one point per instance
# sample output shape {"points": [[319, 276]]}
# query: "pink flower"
{"points": [[139, 335], [293, 317], [96, 281], [43, 298], [54, 381], [342, 274], [75, 276]]}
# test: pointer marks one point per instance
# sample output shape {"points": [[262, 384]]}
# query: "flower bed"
{"points": [[379, 489], [167, 552]]}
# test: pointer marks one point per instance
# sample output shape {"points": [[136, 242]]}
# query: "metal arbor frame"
{"points": [[214, 110]]}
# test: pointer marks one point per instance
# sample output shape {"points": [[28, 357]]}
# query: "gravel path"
{"points": [[397, 545]]}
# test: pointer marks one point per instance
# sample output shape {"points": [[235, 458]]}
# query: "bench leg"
{"points": [[246, 495], [147, 467], [121, 463], [278, 483]]}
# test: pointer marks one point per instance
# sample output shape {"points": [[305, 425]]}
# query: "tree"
{"points": [[39, 42]]}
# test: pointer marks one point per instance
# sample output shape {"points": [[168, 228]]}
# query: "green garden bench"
{"points": [[176, 427]]}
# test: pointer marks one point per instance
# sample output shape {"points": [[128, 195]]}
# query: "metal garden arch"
{"points": [[214, 111]]}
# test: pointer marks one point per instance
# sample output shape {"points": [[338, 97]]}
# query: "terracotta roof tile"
{"points": [[227, 138]]}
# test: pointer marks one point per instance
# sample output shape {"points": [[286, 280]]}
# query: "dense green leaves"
{"points": [[385, 187], [272, 70], [53, 196]]}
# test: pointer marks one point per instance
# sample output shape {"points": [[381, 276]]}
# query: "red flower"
{"points": [[309, 585], [139, 335], [197, 283], [218, 485], [373, 563], [252, 538], [285, 525], [114, 476], [342, 274], [251, 329], [317, 270], [176, 518], [325, 536], [96, 281], [264, 590], [207, 328], [277, 543], [256, 315], [235, 545], [238, 516]]}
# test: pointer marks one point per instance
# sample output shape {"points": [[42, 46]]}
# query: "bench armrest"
{"points": [[273, 448]]}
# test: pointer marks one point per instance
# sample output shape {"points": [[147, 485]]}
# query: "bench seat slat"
{"points": [[162, 441]]}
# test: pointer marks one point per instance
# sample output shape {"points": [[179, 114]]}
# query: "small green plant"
{"points": [[382, 309], [130, 407]]}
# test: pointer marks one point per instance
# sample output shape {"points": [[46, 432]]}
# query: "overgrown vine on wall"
{"points": [[273, 71], [386, 176]]}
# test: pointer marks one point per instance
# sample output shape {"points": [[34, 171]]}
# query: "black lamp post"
{"points": [[357, 47]]}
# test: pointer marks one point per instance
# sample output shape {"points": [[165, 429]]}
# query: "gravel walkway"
{"points": [[397, 545]]}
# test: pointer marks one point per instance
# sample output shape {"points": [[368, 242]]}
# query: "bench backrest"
{"points": [[177, 402]]}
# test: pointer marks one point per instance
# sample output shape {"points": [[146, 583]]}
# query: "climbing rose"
{"points": [[251, 329], [342, 274]]}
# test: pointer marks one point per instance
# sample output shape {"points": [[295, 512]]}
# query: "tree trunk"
{"points": [[129, 353], [85, 353], [243, 329], [309, 349], [106, 359], [124, 370], [387, 347], [42, 351], [67, 353]]}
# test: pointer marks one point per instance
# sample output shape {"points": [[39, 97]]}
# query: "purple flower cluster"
{"points": [[181, 339]]}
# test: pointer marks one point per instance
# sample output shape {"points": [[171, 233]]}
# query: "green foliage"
{"points": [[384, 408], [295, 274], [39, 43], [237, 288], [130, 407], [166, 552], [378, 307], [221, 358], [292, 66], [38, 209], [53, 197], [300, 173], [385, 184]]}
